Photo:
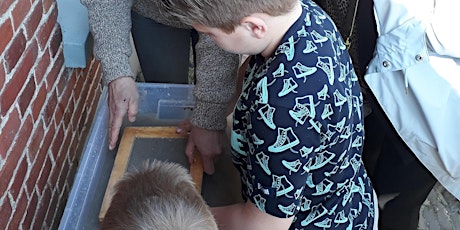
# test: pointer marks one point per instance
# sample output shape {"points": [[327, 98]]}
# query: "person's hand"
{"points": [[208, 142], [185, 127], [123, 97]]}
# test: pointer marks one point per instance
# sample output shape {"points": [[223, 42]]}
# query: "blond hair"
{"points": [[162, 196], [223, 14]]}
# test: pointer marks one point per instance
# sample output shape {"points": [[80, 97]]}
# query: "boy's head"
{"points": [[161, 195], [224, 14], [238, 26]]}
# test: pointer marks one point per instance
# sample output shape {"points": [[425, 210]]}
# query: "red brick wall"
{"points": [[45, 115]]}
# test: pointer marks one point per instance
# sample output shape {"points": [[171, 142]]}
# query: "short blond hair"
{"points": [[223, 14], [162, 196]]}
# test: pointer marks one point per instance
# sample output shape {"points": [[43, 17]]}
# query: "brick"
{"points": [[2, 76], [54, 174], [38, 102], [48, 138], [72, 173], [62, 82], [92, 101], [77, 114], [85, 71], [18, 179], [35, 171], [37, 138], [40, 159], [30, 57], [7, 171], [91, 95], [29, 216], [8, 133], [53, 74], [60, 110], [41, 183], [64, 176], [10, 93], [5, 5], [47, 4], [19, 212], [95, 73], [52, 209], [14, 52], [42, 66], [20, 76], [19, 12], [59, 159], [69, 137], [74, 148], [26, 95], [55, 41], [82, 121], [73, 76], [5, 212], [41, 210], [95, 87], [23, 136], [6, 30], [33, 20], [44, 32], [50, 107], [57, 143], [79, 88], [69, 112], [59, 210]]}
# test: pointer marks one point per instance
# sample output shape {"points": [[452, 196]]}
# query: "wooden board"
{"points": [[124, 152]]}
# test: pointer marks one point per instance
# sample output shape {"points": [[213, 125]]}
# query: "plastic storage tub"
{"points": [[159, 105]]}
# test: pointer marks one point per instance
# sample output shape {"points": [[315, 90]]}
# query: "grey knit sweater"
{"points": [[110, 25]]}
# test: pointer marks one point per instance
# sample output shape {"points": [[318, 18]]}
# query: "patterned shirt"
{"points": [[298, 133]]}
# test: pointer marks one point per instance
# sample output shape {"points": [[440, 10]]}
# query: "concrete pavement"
{"points": [[441, 211]]}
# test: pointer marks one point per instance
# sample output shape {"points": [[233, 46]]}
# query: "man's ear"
{"points": [[255, 25]]}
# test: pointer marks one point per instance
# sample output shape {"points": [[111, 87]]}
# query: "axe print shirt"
{"points": [[297, 134]]}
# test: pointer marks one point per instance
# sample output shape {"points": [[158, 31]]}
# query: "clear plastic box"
{"points": [[159, 105]]}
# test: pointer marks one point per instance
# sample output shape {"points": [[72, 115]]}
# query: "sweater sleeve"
{"points": [[110, 25], [216, 72]]}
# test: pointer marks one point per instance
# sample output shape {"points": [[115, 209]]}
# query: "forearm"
{"points": [[246, 216], [228, 217], [110, 25], [216, 72]]}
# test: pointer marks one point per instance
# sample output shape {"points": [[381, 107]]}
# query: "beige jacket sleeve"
{"points": [[110, 25], [216, 73]]}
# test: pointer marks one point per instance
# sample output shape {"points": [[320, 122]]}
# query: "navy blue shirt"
{"points": [[298, 133]]}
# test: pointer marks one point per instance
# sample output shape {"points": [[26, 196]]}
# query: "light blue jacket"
{"points": [[415, 76]]}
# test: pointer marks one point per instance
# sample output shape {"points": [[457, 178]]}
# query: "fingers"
{"points": [[123, 98], [208, 164], [113, 137], [117, 112], [189, 148], [115, 128], [133, 109], [207, 160], [184, 127]]}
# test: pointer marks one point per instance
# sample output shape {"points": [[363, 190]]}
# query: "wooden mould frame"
{"points": [[124, 152]]}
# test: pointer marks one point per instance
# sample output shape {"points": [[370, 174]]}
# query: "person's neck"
{"points": [[278, 26]]}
